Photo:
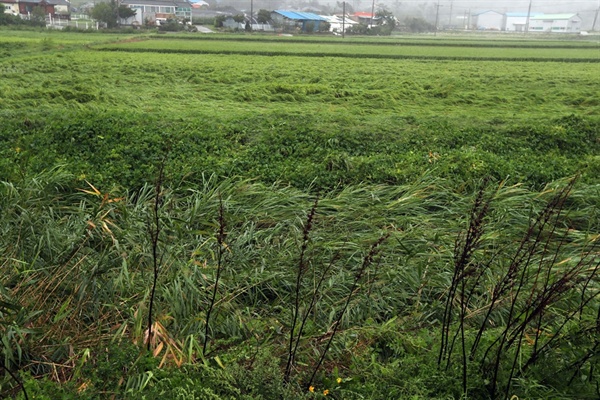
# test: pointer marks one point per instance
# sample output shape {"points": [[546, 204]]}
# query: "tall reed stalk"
{"points": [[300, 272], [221, 235], [154, 229], [367, 262], [528, 286]]}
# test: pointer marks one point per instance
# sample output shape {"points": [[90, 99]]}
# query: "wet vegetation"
{"points": [[241, 226]]}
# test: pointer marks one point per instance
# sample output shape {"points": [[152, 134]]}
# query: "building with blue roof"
{"points": [[298, 21]]}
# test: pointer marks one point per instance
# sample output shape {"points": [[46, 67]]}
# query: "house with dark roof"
{"points": [[53, 8], [62, 9], [297, 21], [154, 11], [26, 7]]}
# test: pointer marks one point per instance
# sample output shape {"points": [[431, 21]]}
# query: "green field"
{"points": [[396, 50], [406, 217]]}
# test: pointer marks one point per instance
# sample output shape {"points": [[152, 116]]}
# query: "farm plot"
{"points": [[396, 50], [297, 227], [295, 119]]}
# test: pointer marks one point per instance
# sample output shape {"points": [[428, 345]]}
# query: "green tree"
{"points": [[126, 12], [38, 16], [418, 25], [263, 16], [386, 19], [172, 25], [358, 29], [219, 19], [324, 26], [109, 13]]}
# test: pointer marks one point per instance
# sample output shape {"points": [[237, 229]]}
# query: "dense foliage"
{"points": [[110, 13], [299, 226]]}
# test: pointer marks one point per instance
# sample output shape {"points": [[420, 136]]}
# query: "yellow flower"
{"points": [[311, 389], [339, 380], [325, 392]]}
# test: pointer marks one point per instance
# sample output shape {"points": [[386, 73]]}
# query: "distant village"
{"points": [[157, 12]]}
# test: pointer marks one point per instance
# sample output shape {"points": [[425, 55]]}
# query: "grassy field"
{"points": [[398, 49], [442, 39], [328, 120], [353, 225], [183, 83]]}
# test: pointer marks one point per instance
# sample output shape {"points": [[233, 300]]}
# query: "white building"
{"points": [[253, 25], [10, 7], [488, 20], [557, 23], [517, 21], [336, 23], [158, 10]]}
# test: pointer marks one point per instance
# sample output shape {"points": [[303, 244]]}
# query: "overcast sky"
{"points": [[457, 8], [461, 6]]}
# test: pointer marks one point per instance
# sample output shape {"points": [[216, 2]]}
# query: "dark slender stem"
{"points": [[465, 246], [313, 302], [506, 340], [220, 242], [16, 379], [154, 236], [463, 310], [299, 274], [367, 261]]}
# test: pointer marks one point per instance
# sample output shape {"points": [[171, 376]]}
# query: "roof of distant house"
{"points": [[487, 11], [36, 2], [363, 14], [554, 16], [177, 3], [521, 14], [300, 16]]}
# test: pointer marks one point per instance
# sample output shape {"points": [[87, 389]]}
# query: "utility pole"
{"points": [[372, 13], [251, 13], [437, 18], [528, 16], [595, 19], [469, 20], [450, 17], [343, 19]]}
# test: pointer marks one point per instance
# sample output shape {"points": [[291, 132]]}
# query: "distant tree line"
{"points": [[414, 24], [384, 23]]}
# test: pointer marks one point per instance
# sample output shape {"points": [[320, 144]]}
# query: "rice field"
{"points": [[298, 217], [398, 50]]}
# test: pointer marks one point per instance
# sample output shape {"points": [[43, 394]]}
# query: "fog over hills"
{"points": [[451, 12]]}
